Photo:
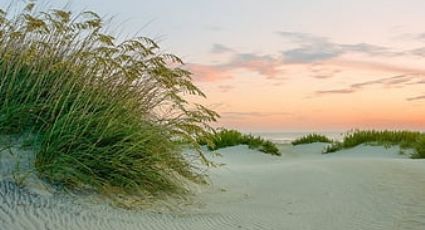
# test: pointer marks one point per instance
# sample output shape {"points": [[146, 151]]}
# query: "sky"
{"points": [[286, 65]]}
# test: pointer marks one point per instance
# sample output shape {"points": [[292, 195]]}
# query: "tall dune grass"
{"points": [[102, 113]]}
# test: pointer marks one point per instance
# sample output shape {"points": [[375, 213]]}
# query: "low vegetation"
{"points": [[419, 148], [102, 113], [311, 138], [226, 138], [405, 139]]}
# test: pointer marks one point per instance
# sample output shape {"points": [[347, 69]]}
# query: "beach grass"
{"points": [[403, 138], [419, 148], [103, 113], [228, 137], [311, 138]]}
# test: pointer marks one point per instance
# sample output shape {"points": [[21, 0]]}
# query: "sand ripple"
{"points": [[256, 191]]}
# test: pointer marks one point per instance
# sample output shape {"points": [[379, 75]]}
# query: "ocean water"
{"points": [[288, 137]]}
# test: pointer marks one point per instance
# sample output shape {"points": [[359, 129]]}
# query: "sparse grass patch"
{"points": [[311, 138], [227, 137]]}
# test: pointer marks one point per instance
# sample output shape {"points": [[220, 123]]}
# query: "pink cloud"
{"points": [[208, 73], [268, 68], [263, 65]]}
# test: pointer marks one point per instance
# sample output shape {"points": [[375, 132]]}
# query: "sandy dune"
{"points": [[362, 188]]}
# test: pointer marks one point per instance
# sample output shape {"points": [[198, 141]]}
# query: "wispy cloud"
{"points": [[303, 38], [313, 48], [244, 115], [225, 88], [411, 36], [387, 82], [336, 91], [322, 72], [310, 51], [418, 52], [368, 49], [265, 65], [220, 48], [396, 81], [369, 65], [417, 98]]}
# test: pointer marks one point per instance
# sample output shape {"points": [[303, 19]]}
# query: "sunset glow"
{"points": [[293, 65]]}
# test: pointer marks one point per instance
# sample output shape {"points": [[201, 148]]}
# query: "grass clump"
{"points": [[103, 114], [227, 137], [404, 138], [311, 138], [419, 148]]}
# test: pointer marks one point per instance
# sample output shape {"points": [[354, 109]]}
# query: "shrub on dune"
{"points": [[228, 137], [311, 138], [102, 113]]}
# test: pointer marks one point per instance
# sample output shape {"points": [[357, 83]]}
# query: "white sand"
{"points": [[361, 188]]}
